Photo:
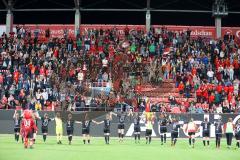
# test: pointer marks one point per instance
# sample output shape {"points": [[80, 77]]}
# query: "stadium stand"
{"points": [[98, 70]]}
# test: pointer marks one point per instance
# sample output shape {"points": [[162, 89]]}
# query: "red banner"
{"points": [[57, 30]]}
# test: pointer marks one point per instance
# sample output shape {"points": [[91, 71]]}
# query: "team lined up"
{"points": [[30, 122]]}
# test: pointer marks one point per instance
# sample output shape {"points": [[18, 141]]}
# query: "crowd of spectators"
{"points": [[62, 73]]}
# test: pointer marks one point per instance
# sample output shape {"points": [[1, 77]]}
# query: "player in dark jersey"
{"points": [[162, 122], [106, 129], [17, 122], [45, 121], [121, 120], [218, 132], [86, 128], [70, 128], [206, 131], [175, 126], [237, 133], [137, 128]]}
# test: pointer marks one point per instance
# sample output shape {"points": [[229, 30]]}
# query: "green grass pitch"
{"points": [[128, 150]]}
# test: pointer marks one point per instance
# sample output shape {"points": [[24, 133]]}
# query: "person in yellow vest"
{"points": [[38, 106], [228, 130], [191, 130], [59, 128]]}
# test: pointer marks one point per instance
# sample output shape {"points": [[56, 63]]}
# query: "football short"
{"points": [[28, 135], [106, 130], [59, 130], [69, 132], [120, 126], [163, 129], [174, 135], [191, 133], [16, 130], [44, 130], [219, 135], [148, 132], [137, 129], [85, 131], [237, 136], [206, 134]]}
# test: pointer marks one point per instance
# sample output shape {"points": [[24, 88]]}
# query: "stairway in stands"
{"points": [[160, 93]]}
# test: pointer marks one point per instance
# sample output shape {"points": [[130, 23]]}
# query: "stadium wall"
{"points": [[7, 123], [58, 29]]}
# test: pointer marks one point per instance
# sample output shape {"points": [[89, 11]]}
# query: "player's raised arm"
{"points": [[94, 121], [14, 115], [78, 122], [112, 113]]}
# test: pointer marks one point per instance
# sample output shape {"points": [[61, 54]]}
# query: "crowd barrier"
{"points": [[7, 123]]}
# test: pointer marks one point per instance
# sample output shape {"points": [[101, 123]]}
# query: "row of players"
{"points": [[220, 128]]}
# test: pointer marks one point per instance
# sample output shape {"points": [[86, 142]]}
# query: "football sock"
{"points": [[122, 135], [208, 142], [190, 141], [193, 140], [150, 139], [175, 141], [165, 138], [204, 142], [135, 137], [138, 136], [238, 145], [105, 139], [84, 141], [15, 136], [88, 141], [162, 138], [219, 142], [119, 135], [44, 137], [108, 138]]}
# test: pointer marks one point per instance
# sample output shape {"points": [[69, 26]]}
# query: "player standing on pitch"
{"points": [[237, 133], [175, 126], [17, 121], [28, 127], [106, 129], [206, 131], [218, 132], [191, 130], [35, 117], [162, 122], [59, 128], [86, 128], [70, 128], [137, 128], [121, 121], [229, 129], [45, 121], [149, 128]]}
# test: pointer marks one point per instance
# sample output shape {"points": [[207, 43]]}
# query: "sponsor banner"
{"points": [[196, 31], [57, 30], [7, 123], [231, 31]]}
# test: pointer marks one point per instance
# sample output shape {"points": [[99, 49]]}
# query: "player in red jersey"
{"points": [[28, 127]]}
